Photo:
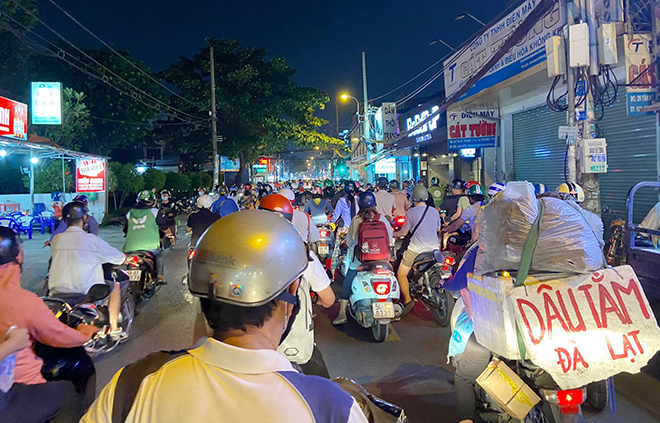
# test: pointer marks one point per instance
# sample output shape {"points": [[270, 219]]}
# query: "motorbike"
{"points": [[141, 271], [426, 276], [373, 293], [326, 243], [615, 249], [168, 228], [460, 240], [556, 406]]}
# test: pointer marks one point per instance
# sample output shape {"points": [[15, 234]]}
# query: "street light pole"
{"points": [[214, 124], [469, 15], [438, 40], [364, 90]]}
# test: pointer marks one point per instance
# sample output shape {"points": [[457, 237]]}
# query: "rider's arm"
{"points": [[107, 253], [319, 282], [454, 226], [45, 328], [341, 205], [15, 340], [93, 225]]}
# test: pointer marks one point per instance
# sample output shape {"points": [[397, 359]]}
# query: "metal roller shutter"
{"points": [[538, 155], [631, 158]]}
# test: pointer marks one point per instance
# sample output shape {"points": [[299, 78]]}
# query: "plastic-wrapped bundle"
{"points": [[570, 238]]}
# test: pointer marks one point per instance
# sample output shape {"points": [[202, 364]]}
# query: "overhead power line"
{"points": [[136, 67]]}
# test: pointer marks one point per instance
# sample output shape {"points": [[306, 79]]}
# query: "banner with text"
{"points": [[587, 328], [474, 128], [13, 119], [460, 67], [389, 122], [90, 175], [640, 73]]}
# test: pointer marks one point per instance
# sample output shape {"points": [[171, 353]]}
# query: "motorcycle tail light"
{"points": [[191, 254], [324, 233], [134, 261], [382, 272], [569, 401], [450, 261], [381, 288]]}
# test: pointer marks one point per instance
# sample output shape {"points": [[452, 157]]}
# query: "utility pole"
{"points": [[214, 124], [337, 115], [570, 83]]}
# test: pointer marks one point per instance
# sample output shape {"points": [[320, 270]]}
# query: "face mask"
{"points": [[165, 197], [200, 192], [317, 201]]}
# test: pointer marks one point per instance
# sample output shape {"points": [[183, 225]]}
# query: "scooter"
{"points": [[373, 293], [428, 272], [141, 271], [326, 243]]}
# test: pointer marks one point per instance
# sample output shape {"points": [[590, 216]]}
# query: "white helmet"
{"points": [[204, 201], [287, 193], [495, 188]]}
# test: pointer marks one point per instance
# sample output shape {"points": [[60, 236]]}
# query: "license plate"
{"points": [[383, 310], [324, 250], [134, 275]]}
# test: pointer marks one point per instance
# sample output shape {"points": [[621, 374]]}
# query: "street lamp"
{"points": [[357, 102], [468, 15], [438, 40]]}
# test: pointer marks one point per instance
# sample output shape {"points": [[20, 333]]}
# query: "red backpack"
{"points": [[373, 241]]}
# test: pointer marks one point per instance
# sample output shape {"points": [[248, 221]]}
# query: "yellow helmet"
{"points": [[573, 189]]}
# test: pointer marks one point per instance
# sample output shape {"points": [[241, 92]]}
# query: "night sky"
{"points": [[323, 41]]}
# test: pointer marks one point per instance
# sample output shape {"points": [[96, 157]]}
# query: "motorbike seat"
{"points": [[375, 265]]}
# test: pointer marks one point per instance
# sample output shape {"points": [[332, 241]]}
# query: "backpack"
{"points": [[373, 241]]}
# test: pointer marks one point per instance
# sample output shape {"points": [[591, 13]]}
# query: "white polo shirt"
{"points": [[306, 227], [77, 261], [221, 383]]}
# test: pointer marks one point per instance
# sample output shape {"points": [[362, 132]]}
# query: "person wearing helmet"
{"points": [[436, 193], [367, 204], [77, 263], [248, 288], [91, 224], [385, 201], [476, 197], [223, 205], [141, 229], [540, 189], [495, 188], [455, 203], [168, 211], [421, 229], [301, 220], [31, 399], [199, 221], [400, 199], [573, 189], [346, 207], [319, 208], [328, 190]]}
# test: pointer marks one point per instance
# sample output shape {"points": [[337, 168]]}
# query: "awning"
{"points": [[42, 148]]}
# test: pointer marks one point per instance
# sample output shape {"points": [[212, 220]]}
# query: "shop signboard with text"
{"points": [[640, 73], [474, 128], [46, 103], [90, 175], [228, 165], [13, 119]]}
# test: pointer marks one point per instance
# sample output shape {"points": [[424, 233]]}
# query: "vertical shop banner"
{"points": [[389, 121], [13, 119], [90, 175], [474, 128], [640, 73], [46, 103]]}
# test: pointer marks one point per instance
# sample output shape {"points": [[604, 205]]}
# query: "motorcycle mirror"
{"points": [[438, 256], [98, 292]]}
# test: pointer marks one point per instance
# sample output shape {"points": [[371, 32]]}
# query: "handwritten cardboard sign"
{"points": [[587, 328]]}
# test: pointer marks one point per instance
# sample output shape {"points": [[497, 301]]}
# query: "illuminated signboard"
{"points": [[428, 126], [46, 103], [385, 165], [227, 165], [90, 175], [13, 119]]}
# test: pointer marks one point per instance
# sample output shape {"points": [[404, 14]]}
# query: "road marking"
{"points": [[392, 335]]}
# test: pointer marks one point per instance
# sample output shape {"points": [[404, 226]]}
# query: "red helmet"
{"points": [[468, 184], [277, 203], [248, 187]]}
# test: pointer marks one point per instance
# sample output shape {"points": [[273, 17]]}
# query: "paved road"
{"points": [[408, 369]]}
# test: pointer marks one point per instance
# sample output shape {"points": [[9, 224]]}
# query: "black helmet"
{"points": [[366, 199], [458, 184], [10, 245], [394, 184], [435, 180], [349, 187], [222, 190], [73, 211], [382, 182]]}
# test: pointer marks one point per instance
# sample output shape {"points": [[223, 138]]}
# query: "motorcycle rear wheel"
{"points": [[127, 314], [380, 331], [442, 306]]}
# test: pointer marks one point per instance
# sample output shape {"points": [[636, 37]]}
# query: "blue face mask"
{"points": [[200, 192], [165, 197]]}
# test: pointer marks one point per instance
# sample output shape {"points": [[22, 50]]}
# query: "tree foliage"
{"points": [[200, 179], [154, 178], [123, 181], [178, 183], [48, 177], [75, 122]]}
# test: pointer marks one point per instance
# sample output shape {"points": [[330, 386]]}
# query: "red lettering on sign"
{"points": [[552, 315], [577, 358], [521, 302], [564, 359], [639, 344], [632, 287], [580, 327], [604, 297], [585, 290], [597, 277]]}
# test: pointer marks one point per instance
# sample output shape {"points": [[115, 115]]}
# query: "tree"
{"points": [[177, 183], [200, 179], [123, 178], [48, 177], [75, 122], [154, 178], [260, 110]]}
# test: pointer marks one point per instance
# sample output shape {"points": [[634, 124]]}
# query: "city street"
{"points": [[409, 368]]}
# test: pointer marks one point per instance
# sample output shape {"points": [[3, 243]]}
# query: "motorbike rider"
{"points": [[249, 199], [77, 264], [400, 199], [314, 278], [31, 399], [476, 198], [223, 205], [319, 208], [328, 189], [237, 374], [141, 229], [91, 225], [347, 206], [301, 220], [573, 189], [436, 193], [168, 212], [367, 204], [200, 221], [457, 201], [386, 203], [425, 238]]}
